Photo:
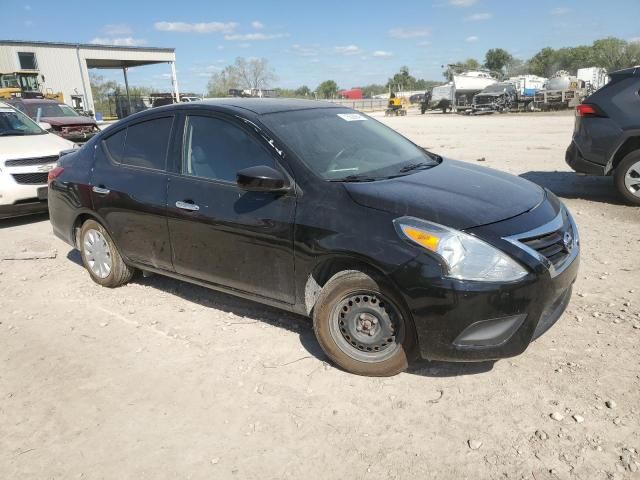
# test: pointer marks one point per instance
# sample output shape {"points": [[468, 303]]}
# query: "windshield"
{"points": [[28, 82], [51, 110], [9, 81], [13, 123], [496, 87], [342, 145]]}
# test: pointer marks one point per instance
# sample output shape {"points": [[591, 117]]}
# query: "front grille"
{"points": [[31, 178], [550, 246], [555, 244], [31, 161]]}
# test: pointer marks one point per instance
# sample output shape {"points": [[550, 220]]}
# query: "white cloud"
{"points": [[471, 39], [634, 40], [305, 50], [424, 43], [257, 24], [409, 32], [347, 50], [560, 11], [243, 37], [205, 27], [382, 53], [462, 3], [479, 17], [120, 42], [117, 29]]}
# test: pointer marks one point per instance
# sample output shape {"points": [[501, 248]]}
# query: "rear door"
{"points": [[220, 233], [129, 189]]}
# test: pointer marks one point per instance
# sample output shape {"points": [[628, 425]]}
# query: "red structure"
{"points": [[353, 94]]}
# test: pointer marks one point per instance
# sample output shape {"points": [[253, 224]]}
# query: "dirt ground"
{"points": [[160, 379]]}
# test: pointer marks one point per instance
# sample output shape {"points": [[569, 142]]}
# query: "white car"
{"points": [[27, 153]]}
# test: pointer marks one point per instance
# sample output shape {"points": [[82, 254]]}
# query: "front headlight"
{"points": [[466, 257]]}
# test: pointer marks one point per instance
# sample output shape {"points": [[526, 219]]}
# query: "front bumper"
{"points": [[21, 199], [459, 320]]}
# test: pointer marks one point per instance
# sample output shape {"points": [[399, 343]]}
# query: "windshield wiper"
{"points": [[415, 166], [356, 178]]}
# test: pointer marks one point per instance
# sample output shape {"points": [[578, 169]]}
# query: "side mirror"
{"points": [[44, 125], [261, 179]]}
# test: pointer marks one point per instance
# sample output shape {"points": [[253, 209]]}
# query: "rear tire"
{"points": [[363, 326], [627, 177], [101, 257]]}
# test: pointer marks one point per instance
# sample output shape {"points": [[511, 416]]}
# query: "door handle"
{"points": [[187, 206], [101, 190]]}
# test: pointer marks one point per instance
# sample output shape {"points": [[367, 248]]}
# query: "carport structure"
{"points": [[64, 67]]}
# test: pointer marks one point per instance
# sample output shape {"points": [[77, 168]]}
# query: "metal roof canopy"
{"points": [[108, 63], [111, 57]]}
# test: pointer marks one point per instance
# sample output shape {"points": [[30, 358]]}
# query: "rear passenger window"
{"points": [[114, 145], [217, 149], [146, 143]]}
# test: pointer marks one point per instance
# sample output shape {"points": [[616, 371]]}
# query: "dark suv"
{"points": [[320, 210], [606, 138]]}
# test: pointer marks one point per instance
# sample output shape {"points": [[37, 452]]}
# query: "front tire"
{"points": [[362, 325], [627, 177], [101, 257]]}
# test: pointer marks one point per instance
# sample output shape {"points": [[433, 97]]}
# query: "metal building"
{"points": [[64, 67]]}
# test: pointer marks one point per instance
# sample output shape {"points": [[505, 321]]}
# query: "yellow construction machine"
{"points": [[397, 106], [25, 85]]}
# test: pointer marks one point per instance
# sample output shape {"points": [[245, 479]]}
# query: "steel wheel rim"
{"points": [[367, 327], [97, 253], [632, 179]]}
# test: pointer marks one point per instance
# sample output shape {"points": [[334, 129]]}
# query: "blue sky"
{"points": [[354, 43]]}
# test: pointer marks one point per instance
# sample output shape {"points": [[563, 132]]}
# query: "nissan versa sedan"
{"points": [[393, 251]]}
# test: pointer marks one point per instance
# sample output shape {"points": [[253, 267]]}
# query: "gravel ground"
{"points": [[161, 379]]}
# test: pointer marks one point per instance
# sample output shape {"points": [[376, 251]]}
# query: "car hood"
{"points": [[32, 146], [455, 194], [68, 121]]}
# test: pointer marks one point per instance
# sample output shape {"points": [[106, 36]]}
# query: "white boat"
{"points": [[472, 81]]}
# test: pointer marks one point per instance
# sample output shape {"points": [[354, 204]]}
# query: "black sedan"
{"points": [[392, 250]]}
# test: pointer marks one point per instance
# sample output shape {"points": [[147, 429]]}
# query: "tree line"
{"points": [[610, 53]]}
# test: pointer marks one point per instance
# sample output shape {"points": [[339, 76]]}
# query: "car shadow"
{"points": [[24, 220], [426, 368], [574, 185], [291, 322]]}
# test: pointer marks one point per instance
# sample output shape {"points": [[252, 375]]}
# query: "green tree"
{"points": [[496, 59], [543, 63], [369, 91], [327, 89], [402, 80], [303, 91]]}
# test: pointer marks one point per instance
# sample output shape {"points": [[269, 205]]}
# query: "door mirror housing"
{"points": [[44, 125], [261, 179]]}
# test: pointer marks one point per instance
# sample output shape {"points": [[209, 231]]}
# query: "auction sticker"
{"points": [[352, 117]]}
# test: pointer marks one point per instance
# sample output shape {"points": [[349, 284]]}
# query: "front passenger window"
{"points": [[217, 149]]}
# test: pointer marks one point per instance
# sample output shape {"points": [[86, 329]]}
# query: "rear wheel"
{"points": [[627, 177], [362, 326], [101, 257]]}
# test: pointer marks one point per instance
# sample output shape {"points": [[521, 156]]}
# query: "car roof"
{"points": [[626, 71], [261, 106], [39, 100]]}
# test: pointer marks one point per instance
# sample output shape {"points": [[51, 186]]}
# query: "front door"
{"points": [[220, 233]]}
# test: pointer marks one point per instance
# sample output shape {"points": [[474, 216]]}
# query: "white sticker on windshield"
{"points": [[352, 117], [6, 110]]}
